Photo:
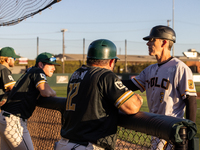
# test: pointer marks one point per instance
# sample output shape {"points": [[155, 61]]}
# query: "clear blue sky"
{"points": [[116, 20]]}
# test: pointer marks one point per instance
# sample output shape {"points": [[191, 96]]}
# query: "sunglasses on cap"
{"points": [[13, 58], [52, 59]]}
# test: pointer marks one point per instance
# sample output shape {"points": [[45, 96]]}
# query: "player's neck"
{"points": [[6, 64], [164, 57]]}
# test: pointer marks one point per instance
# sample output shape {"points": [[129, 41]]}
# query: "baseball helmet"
{"points": [[102, 49], [161, 32]]}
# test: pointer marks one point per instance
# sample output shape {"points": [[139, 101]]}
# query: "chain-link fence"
{"points": [[45, 124]]}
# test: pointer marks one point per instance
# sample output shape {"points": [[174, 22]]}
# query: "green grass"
{"points": [[62, 92]]}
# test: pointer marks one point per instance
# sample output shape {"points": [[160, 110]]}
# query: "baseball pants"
{"points": [[64, 144], [14, 134]]}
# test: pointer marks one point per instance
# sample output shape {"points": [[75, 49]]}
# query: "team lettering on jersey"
{"points": [[77, 75], [153, 82]]}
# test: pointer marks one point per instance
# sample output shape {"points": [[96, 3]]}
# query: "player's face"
{"points": [[155, 47], [48, 69], [11, 62]]}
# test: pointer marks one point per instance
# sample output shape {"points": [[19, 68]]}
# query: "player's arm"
{"points": [[130, 85], [46, 90], [191, 107], [55, 103], [132, 105], [10, 87]]}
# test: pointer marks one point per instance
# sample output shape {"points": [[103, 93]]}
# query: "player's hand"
{"points": [[53, 93], [139, 98], [2, 102]]}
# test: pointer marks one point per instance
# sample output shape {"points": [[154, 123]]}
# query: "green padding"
{"points": [[191, 129]]}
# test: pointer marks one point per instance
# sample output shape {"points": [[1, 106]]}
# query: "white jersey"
{"points": [[166, 87]]}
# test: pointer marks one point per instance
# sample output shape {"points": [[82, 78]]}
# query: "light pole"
{"points": [[168, 22], [173, 25], [63, 62], [125, 56]]}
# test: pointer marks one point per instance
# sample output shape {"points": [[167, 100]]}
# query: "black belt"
{"points": [[81, 143], [8, 115]]}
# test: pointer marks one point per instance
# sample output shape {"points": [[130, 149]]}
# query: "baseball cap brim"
{"points": [[16, 56], [53, 63], [147, 38]]}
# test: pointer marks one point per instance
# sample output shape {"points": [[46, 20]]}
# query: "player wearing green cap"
{"points": [[7, 60], [94, 96], [21, 103]]}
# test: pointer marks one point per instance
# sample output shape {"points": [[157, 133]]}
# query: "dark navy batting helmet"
{"points": [[162, 32]]}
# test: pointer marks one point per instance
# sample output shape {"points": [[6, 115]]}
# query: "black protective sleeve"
{"points": [[55, 103], [191, 107], [130, 85]]}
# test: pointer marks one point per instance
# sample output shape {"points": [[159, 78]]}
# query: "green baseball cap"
{"points": [[47, 58], [8, 52]]}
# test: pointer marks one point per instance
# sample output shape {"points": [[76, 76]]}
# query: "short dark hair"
{"points": [[171, 43], [100, 62]]}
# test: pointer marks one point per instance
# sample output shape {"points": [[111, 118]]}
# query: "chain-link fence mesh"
{"points": [[14, 11], [45, 125]]}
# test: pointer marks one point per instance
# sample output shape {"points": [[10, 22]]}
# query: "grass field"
{"points": [[62, 92]]}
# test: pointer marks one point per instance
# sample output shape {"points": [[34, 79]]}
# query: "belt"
{"points": [[81, 143], [8, 115]]}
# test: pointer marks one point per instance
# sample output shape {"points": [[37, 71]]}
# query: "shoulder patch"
{"points": [[119, 85], [42, 75], [10, 78], [191, 84]]}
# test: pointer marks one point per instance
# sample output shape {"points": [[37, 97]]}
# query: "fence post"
{"points": [[183, 135]]}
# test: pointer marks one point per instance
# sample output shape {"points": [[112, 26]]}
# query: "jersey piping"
{"points": [[139, 84], [40, 82], [9, 84], [123, 98]]}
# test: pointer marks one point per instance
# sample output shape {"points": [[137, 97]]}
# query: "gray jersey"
{"points": [[166, 87]]}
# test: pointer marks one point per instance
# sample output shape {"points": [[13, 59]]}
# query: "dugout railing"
{"points": [[134, 131]]}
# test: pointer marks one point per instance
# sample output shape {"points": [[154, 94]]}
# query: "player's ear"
{"points": [[164, 42], [7, 60], [111, 62], [40, 65]]}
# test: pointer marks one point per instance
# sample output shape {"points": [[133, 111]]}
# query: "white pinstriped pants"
{"points": [[64, 144]]}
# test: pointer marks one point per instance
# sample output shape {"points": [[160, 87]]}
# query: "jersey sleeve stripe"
{"points": [[124, 97], [9, 84], [42, 81], [139, 84], [190, 91]]}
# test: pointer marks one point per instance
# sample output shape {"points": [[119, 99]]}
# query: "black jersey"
{"points": [[22, 99], [94, 96], [6, 79]]}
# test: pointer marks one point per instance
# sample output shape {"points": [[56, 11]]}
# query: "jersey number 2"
{"points": [[73, 91]]}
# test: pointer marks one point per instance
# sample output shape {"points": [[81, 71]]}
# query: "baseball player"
{"points": [[7, 60], [21, 103], [95, 94], [168, 84]]}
